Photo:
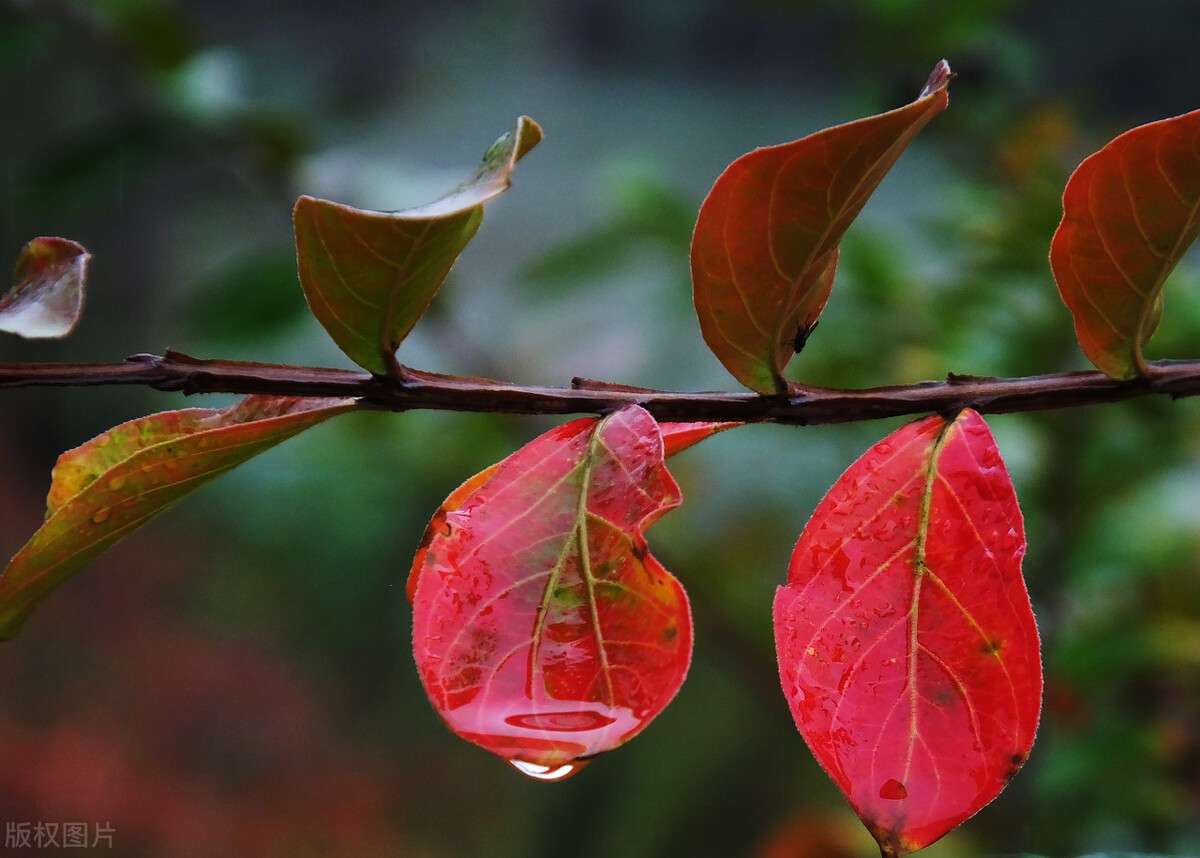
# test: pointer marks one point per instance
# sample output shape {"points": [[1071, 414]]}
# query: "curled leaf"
{"points": [[543, 629], [907, 646], [765, 248], [368, 276], [1130, 212], [46, 299], [101, 491], [676, 437]]}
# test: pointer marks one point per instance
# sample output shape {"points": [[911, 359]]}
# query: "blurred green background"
{"points": [[236, 679]]}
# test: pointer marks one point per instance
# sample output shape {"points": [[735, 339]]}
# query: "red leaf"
{"points": [[678, 437], [766, 242], [907, 647], [1130, 212], [46, 299], [529, 646]]}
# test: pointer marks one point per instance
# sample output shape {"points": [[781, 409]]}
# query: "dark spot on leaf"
{"points": [[639, 551], [992, 647], [670, 633], [893, 790], [1017, 761]]}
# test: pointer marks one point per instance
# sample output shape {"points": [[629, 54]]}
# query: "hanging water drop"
{"points": [[548, 773]]}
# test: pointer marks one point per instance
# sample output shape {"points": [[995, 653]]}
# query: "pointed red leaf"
{"points": [[678, 437], [543, 629], [907, 646], [765, 247], [1130, 212], [46, 299]]}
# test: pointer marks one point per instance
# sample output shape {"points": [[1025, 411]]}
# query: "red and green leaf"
{"points": [[369, 276], [102, 491], [1130, 212], [765, 248], [907, 647], [543, 629], [46, 299]]}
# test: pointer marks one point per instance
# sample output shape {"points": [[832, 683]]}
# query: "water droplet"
{"points": [[116, 483], [548, 773], [893, 790], [101, 516]]}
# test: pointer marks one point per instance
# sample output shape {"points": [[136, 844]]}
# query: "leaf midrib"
{"points": [[919, 570]]}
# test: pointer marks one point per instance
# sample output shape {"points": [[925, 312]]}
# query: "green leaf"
{"points": [[369, 276], [102, 491]]}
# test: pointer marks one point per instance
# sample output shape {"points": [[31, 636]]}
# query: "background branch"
{"points": [[807, 405]]}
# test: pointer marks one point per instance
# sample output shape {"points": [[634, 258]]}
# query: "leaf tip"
{"points": [[939, 79], [529, 134]]}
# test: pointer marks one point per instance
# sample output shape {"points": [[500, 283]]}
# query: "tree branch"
{"points": [[421, 390]]}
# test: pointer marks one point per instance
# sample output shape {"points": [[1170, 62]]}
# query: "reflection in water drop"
{"points": [[548, 773], [892, 789], [565, 722]]}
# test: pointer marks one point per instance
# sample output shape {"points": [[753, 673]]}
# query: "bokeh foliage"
{"points": [[238, 677]]}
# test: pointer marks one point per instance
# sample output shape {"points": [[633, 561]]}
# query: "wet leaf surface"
{"points": [[369, 276], [1130, 212], [543, 629], [46, 299], [103, 490], [907, 646], [765, 248]]}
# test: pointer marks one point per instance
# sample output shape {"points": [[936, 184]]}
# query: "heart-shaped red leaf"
{"points": [[543, 629], [1130, 212], [765, 247], [907, 646], [46, 299]]}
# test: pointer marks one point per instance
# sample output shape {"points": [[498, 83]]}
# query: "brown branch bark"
{"points": [[808, 405]]}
